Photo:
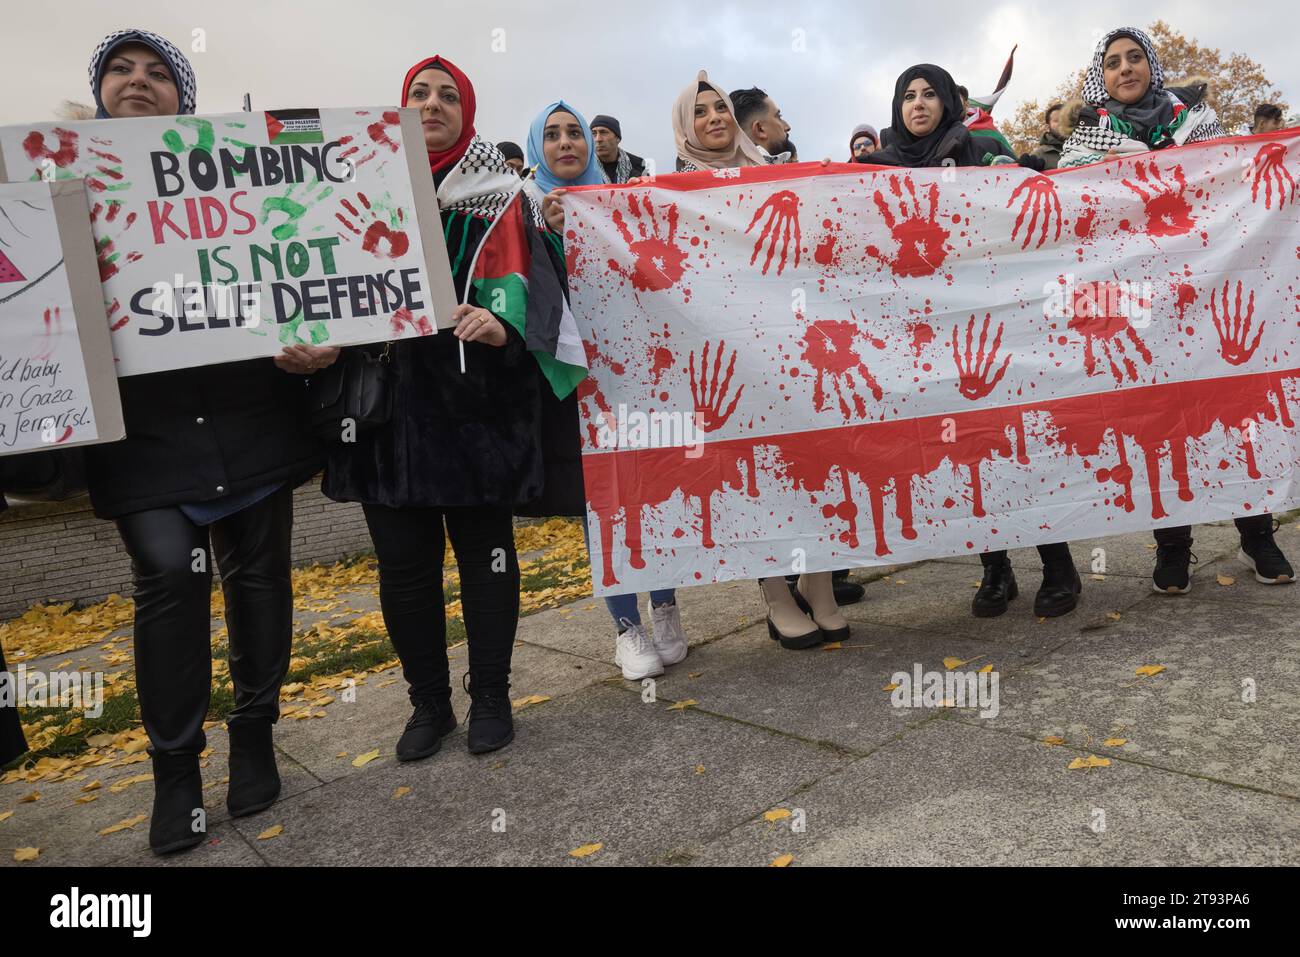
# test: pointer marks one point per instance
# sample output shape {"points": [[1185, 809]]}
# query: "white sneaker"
{"points": [[634, 653], [669, 639]]}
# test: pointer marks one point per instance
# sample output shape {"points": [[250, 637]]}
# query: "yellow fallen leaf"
{"points": [[950, 663], [24, 854], [683, 705], [833, 646], [947, 703], [401, 792], [1053, 739], [86, 799], [1151, 545], [1099, 578], [1226, 580], [1114, 615], [1114, 742], [699, 769], [531, 699], [30, 798], [986, 669], [341, 754], [784, 860], [271, 832], [100, 740], [361, 760], [585, 851], [5, 815], [694, 674], [94, 785], [1148, 670], [776, 814], [129, 823], [1091, 761], [117, 787], [890, 687]]}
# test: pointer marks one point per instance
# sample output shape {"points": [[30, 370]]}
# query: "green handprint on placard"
{"points": [[204, 135], [294, 207]]}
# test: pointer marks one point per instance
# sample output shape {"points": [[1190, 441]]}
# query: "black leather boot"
{"points": [[996, 590], [491, 720], [177, 794], [430, 722], [254, 778], [1059, 593]]}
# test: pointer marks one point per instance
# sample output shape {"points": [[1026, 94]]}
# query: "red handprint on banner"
{"points": [[107, 254], [922, 242], [974, 365], [657, 260], [829, 347], [1040, 198], [782, 209], [709, 395], [1098, 313], [1168, 212], [396, 240], [35, 148], [1234, 328], [1270, 169]]}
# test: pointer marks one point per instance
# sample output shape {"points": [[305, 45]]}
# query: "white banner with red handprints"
{"points": [[807, 368], [226, 237]]}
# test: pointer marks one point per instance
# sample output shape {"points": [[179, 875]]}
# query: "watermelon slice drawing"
{"points": [[8, 271]]}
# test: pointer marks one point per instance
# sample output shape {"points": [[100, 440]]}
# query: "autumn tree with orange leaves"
{"points": [[1237, 84]]}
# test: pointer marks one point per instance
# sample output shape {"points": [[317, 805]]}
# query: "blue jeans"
{"points": [[624, 608]]}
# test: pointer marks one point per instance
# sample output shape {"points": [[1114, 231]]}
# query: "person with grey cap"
{"points": [[863, 141], [513, 154], [619, 165]]}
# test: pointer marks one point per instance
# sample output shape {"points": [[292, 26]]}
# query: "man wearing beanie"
{"points": [[619, 165], [513, 154]]}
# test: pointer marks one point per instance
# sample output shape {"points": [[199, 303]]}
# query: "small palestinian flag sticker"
{"points": [[8, 271], [294, 126]]}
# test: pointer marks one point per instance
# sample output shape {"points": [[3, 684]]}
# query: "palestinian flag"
{"points": [[979, 111], [514, 278]]}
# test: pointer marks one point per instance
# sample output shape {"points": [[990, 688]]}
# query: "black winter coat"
{"points": [[195, 435]]}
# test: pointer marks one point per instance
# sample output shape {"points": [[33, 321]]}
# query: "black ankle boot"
{"points": [[997, 588], [491, 721], [430, 722], [846, 592], [177, 794], [1059, 594], [254, 778]]}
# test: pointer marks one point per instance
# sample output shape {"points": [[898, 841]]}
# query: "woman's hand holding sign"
{"points": [[302, 359]]}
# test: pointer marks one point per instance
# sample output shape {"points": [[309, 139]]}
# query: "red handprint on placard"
{"points": [[657, 260], [974, 365], [1234, 328], [922, 242], [829, 347], [1270, 169], [1168, 212], [35, 148], [1040, 198], [106, 252], [709, 395], [396, 240], [782, 209], [1098, 312]]}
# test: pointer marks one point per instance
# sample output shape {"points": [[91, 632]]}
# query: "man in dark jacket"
{"points": [[619, 165], [1049, 144]]}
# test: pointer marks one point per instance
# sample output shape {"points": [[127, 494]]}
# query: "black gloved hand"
{"points": [[1030, 161]]}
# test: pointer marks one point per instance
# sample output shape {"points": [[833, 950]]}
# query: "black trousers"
{"points": [[173, 585], [410, 544], [1055, 552], [12, 742], [1182, 534]]}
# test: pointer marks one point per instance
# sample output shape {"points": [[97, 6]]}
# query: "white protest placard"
{"points": [[58, 386], [227, 237]]}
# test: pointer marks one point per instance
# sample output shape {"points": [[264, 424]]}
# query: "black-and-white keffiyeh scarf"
{"points": [[483, 185], [182, 73], [1163, 117], [623, 168]]}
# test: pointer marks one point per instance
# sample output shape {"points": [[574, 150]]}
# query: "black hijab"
{"points": [[949, 140]]}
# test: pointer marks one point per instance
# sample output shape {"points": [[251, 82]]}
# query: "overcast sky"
{"points": [[828, 65]]}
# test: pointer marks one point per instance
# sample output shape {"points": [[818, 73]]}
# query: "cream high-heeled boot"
{"points": [[818, 591], [785, 622]]}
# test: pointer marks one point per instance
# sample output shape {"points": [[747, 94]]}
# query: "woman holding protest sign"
{"points": [[463, 446], [707, 136], [927, 131], [211, 454], [562, 153], [1129, 111]]}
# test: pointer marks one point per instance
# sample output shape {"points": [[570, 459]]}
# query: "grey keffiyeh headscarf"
{"points": [[182, 73]]}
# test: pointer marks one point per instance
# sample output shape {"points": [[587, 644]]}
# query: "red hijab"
{"points": [[444, 159]]}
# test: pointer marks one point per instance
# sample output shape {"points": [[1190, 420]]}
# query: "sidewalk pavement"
{"points": [[702, 767]]}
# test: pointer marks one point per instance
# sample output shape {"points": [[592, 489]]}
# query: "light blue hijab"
{"points": [[545, 178]]}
